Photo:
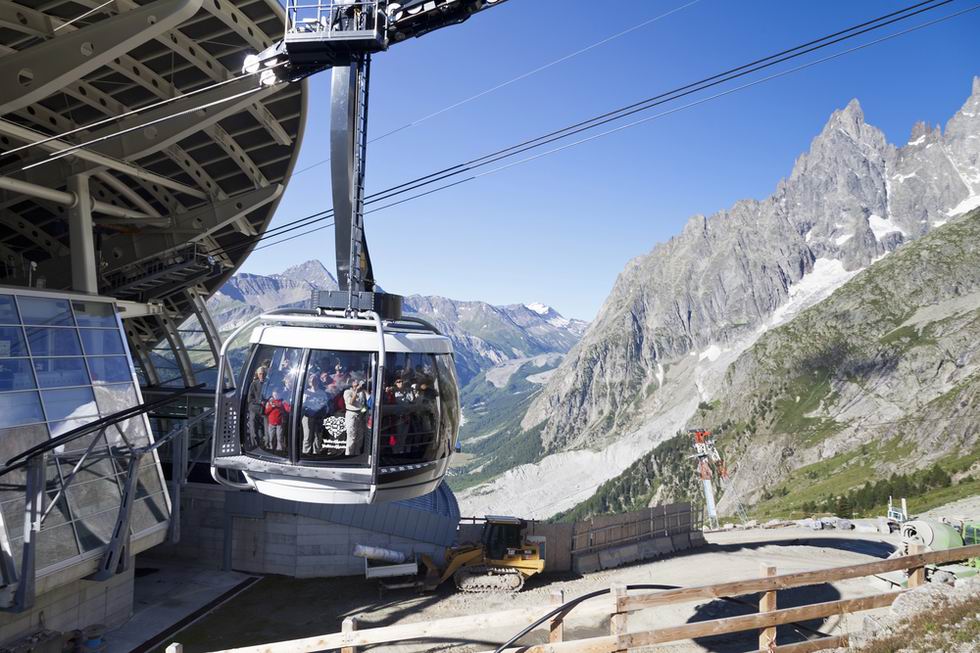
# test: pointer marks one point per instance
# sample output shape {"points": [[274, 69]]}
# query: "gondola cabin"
{"points": [[334, 409]]}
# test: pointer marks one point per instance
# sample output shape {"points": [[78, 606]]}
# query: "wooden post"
{"points": [[556, 629], [767, 603], [349, 626], [175, 648], [917, 575], [617, 622]]}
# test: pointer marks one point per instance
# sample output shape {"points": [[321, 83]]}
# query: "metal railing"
{"points": [[117, 550], [327, 18]]}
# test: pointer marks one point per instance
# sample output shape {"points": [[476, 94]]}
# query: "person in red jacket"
{"points": [[277, 411]]}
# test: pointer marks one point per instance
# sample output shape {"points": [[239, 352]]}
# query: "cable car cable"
{"points": [[496, 156], [460, 168], [829, 36]]}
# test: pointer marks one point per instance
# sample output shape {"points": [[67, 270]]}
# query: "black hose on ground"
{"points": [[568, 605]]}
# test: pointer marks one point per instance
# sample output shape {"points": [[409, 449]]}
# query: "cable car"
{"points": [[331, 408]]}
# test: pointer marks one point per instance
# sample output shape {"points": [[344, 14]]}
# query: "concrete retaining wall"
{"points": [[72, 606]]}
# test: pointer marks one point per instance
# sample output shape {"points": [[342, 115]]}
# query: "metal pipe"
{"points": [[65, 198]]}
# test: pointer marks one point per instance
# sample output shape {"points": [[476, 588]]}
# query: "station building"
{"points": [[137, 172]]}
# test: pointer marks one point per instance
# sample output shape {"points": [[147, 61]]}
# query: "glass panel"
{"points": [[93, 497], [20, 408], [335, 412], [8, 310], [53, 342], [110, 369], [150, 507], [60, 372], [68, 404], [95, 314], [45, 310], [78, 444], [55, 544], [12, 341], [448, 402], [410, 413], [101, 342], [112, 399], [15, 374], [269, 399]]}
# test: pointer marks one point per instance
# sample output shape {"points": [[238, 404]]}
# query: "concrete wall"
{"points": [[202, 527], [293, 545], [73, 606], [283, 543]]}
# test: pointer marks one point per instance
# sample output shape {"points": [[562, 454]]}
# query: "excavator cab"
{"points": [[502, 535]]}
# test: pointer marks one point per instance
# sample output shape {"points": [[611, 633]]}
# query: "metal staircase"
{"points": [[149, 280]]}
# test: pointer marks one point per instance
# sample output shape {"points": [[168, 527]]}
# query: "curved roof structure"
{"points": [[174, 202]]}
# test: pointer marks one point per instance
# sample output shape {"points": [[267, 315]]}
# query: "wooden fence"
{"points": [[619, 603], [573, 546]]}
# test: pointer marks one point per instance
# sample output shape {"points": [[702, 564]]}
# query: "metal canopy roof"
{"points": [[174, 196]]}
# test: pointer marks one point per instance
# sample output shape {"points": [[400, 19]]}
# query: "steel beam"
{"points": [[33, 74], [143, 142], [115, 558], [28, 136], [33, 507], [195, 225]]}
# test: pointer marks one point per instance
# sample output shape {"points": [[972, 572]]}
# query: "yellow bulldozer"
{"points": [[501, 562]]}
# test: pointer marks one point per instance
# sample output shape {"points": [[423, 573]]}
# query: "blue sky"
{"points": [[559, 230]]}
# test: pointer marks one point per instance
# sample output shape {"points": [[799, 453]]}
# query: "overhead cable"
{"points": [[611, 116], [134, 112]]}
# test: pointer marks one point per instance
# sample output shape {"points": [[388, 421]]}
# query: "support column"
{"points": [[81, 237]]}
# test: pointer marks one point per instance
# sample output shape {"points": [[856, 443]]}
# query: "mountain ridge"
{"points": [[679, 315]]}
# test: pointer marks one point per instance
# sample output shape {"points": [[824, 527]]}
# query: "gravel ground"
{"points": [[280, 608]]}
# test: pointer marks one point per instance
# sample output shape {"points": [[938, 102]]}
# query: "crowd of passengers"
{"points": [[337, 411]]}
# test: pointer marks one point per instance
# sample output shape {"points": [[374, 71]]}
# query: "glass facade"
{"points": [[63, 364]]}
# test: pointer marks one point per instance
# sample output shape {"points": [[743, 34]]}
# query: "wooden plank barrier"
{"points": [[800, 579], [624, 602]]}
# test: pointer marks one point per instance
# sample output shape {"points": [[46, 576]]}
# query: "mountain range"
{"points": [[682, 323]]}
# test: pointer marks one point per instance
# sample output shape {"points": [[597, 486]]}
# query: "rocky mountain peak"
{"points": [[922, 132], [312, 272]]}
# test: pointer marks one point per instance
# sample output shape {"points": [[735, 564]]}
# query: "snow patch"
{"points": [[920, 139], [539, 308], [711, 353], [903, 177], [883, 226], [660, 375], [968, 204], [827, 276], [843, 239], [541, 377]]}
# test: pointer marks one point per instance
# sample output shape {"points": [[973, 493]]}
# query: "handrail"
{"points": [[21, 459]]}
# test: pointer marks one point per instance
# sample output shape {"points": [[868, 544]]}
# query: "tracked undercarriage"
{"points": [[484, 578]]}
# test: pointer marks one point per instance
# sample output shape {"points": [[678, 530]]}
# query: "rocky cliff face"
{"points": [[484, 335], [678, 316], [881, 378]]}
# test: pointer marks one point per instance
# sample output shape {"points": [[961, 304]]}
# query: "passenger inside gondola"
{"points": [[334, 413], [410, 410]]}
